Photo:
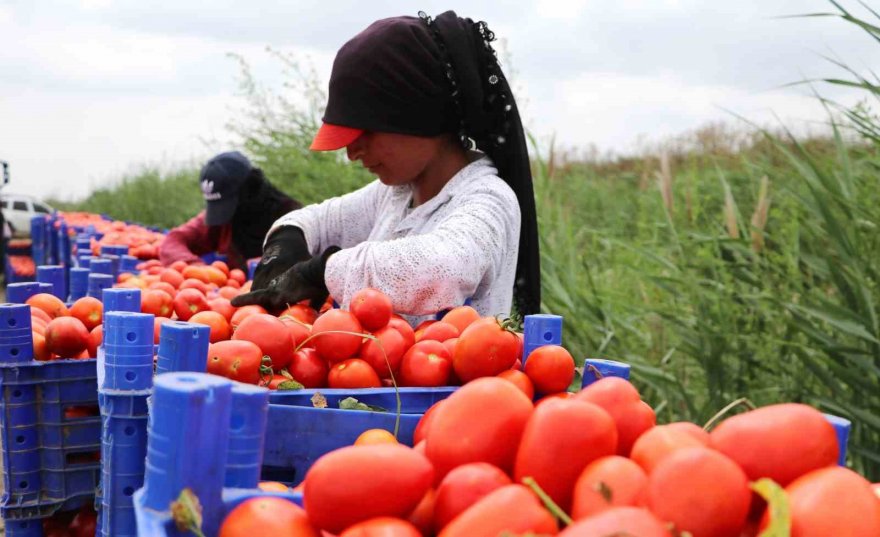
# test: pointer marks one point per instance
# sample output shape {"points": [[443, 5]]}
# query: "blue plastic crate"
{"points": [[50, 454]]}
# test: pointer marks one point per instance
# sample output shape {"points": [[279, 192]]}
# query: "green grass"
{"points": [[708, 297]]}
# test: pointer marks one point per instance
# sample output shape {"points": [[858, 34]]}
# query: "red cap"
{"points": [[330, 137]]}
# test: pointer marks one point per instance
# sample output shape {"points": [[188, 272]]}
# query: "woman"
{"points": [[409, 98], [240, 207]]}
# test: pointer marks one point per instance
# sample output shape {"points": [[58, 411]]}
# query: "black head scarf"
{"points": [[259, 205], [427, 77]]}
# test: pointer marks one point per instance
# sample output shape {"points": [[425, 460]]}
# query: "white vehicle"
{"points": [[18, 210]]}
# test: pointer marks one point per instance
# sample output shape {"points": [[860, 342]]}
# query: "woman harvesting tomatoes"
{"points": [[424, 105]]}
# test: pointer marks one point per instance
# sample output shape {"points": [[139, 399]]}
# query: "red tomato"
{"points": [[333, 346], [224, 307], [461, 317], [463, 487], [96, 337], [608, 482], [301, 313], [520, 380], [485, 349], [551, 369], [450, 345], [439, 331], [157, 328], [308, 368], [692, 429], [356, 483], [188, 302], [782, 442], [41, 353], [238, 275], [66, 337], [831, 501], [425, 422], [400, 324], [482, 421], [89, 310], [171, 277], [243, 313], [372, 308], [40, 314], [274, 382], [222, 266], [267, 515], [228, 291], [193, 283], [700, 491], [619, 521], [382, 527], [163, 286], [353, 373], [427, 363], [299, 332], [658, 443], [270, 334], [422, 516], [236, 360], [561, 438], [386, 352], [49, 304], [510, 509], [157, 302], [38, 325], [220, 330], [84, 523], [620, 399]]}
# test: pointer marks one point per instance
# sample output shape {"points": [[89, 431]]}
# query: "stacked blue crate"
{"points": [[38, 239], [79, 283], [49, 430], [54, 275]]}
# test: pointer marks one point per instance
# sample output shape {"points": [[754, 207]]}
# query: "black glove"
{"points": [[284, 248], [302, 281]]}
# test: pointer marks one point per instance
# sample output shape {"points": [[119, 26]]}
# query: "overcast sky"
{"points": [[91, 89]]}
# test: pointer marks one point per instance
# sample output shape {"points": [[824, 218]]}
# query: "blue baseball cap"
{"points": [[221, 180]]}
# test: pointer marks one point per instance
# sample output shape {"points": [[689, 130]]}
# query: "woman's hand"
{"points": [[284, 248]]}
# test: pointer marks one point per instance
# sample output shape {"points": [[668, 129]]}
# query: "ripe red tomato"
{"points": [[224, 307], [551, 369], [510, 509], [40, 314], [308, 368], [427, 363], [38, 325], [831, 501], [620, 399], [238, 275], [171, 277], [619, 521], [84, 523], [482, 421], [606, 483], [157, 302], [392, 343], [270, 335], [399, 323], [157, 328], [236, 360], [382, 527], [332, 346], [439, 331], [267, 515], [520, 380], [89, 310], [219, 327], [561, 438], [658, 443], [228, 291], [41, 353], [96, 337], [461, 317], [450, 346], [222, 266], [425, 422], [484, 349], [163, 286], [301, 313], [299, 332], [49, 304], [372, 308], [66, 337], [463, 487], [356, 483], [243, 313], [422, 516], [692, 429], [782, 442], [188, 302], [700, 491], [353, 373]]}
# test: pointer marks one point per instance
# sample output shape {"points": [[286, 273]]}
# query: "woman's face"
{"points": [[397, 159]]}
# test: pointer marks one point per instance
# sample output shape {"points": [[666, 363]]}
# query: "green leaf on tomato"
{"points": [[350, 403]]}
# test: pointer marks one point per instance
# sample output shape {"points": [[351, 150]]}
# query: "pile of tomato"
{"points": [[490, 462], [22, 265], [142, 242]]}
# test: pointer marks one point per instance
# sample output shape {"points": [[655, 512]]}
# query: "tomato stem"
{"points": [[721, 413], [551, 506], [387, 362]]}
